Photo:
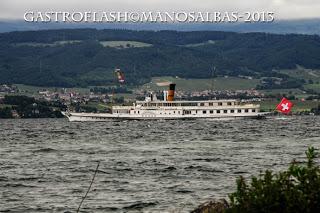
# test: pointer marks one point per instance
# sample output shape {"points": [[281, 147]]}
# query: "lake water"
{"points": [[46, 165]]}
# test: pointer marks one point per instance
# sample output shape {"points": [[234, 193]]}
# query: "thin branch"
{"points": [[89, 187]]}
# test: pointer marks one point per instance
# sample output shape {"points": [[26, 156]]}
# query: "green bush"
{"points": [[296, 190]]}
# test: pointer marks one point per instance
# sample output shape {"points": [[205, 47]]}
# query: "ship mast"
{"points": [[213, 73]]}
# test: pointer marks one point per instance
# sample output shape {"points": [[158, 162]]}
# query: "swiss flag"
{"points": [[284, 106]]}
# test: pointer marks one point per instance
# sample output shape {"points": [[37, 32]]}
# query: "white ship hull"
{"points": [[82, 117]]}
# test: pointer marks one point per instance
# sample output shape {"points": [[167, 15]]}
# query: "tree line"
{"points": [[87, 62]]}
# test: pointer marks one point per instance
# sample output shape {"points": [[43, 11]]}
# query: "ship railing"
{"points": [[242, 106]]}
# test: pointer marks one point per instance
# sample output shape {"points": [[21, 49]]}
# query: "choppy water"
{"points": [[145, 166]]}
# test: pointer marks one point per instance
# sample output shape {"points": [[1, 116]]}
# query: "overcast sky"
{"points": [[284, 9]]}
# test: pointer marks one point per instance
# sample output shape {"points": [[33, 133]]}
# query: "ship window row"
{"points": [[170, 113], [234, 111], [165, 113], [219, 104], [121, 111], [222, 111], [189, 104], [168, 104], [225, 111]]}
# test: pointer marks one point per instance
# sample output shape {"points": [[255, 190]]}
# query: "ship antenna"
{"points": [[213, 73]]}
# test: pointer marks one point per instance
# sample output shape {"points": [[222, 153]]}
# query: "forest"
{"points": [[86, 57]]}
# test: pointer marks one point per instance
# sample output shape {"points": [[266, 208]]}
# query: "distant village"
{"points": [[69, 96]]}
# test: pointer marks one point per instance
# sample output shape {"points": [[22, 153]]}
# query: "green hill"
{"points": [[82, 57]]}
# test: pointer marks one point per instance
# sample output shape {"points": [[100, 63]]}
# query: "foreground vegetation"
{"points": [[295, 190]]}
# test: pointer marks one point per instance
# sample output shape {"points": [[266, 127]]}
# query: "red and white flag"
{"points": [[284, 106]]}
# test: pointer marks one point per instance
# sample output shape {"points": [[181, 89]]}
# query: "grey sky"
{"points": [[284, 9]]}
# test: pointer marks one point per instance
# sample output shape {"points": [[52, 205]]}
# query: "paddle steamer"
{"points": [[168, 108]]}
